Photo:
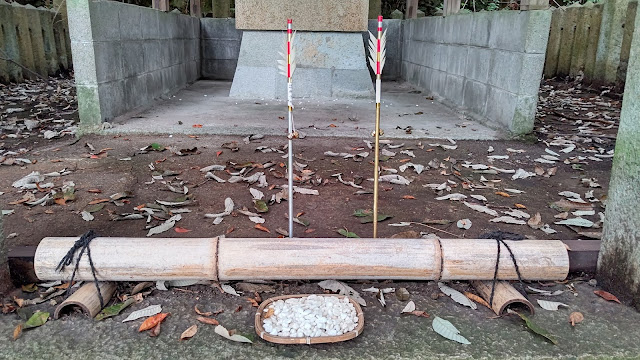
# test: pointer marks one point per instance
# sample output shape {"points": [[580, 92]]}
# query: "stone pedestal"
{"points": [[329, 64], [619, 261]]}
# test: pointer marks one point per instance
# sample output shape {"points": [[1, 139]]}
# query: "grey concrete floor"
{"points": [[207, 103], [609, 331]]}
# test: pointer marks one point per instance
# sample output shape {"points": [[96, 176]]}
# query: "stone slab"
{"points": [[307, 15]]}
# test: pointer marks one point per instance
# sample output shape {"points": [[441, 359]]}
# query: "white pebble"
{"points": [[313, 316]]}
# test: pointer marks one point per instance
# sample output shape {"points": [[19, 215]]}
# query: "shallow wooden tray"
{"points": [[306, 340]]}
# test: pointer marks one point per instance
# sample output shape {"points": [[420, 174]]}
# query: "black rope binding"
{"points": [[495, 273], [81, 244]]}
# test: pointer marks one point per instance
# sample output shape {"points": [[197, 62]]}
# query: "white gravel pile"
{"points": [[311, 316]]}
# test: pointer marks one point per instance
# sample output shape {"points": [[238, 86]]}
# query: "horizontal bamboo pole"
{"points": [[133, 259]]}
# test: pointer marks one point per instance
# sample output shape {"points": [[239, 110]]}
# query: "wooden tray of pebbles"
{"points": [[265, 335]]}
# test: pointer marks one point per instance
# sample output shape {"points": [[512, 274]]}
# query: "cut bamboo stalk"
{"points": [[87, 298], [132, 259], [504, 296]]}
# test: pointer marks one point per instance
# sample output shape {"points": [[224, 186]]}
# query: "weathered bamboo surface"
{"points": [[133, 259], [504, 295], [87, 298]]}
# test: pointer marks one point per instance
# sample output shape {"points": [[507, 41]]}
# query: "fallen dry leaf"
{"points": [[262, 228], [269, 313], [181, 230], [503, 194], [520, 206], [238, 309], [208, 321], [253, 302], [607, 296], [419, 313], [17, 332], [151, 322], [94, 191], [208, 313], [189, 333], [576, 318], [98, 201], [229, 230], [409, 197], [155, 331], [197, 125], [477, 299]]}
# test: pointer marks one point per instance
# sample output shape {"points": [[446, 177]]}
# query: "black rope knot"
{"points": [[495, 274], [81, 244]]}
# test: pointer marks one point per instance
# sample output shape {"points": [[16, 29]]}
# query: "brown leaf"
{"points": [[208, 313], [98, 201], [238, 309], [576, 318], [230, 230], [309, 231], [155, 331], [409, 197], [17, 332], [501, 193], [60, 201], [520, 206], [63, 286], [262, 228], [535, 222], [94, 191], [208, 321], [189, 333], [257, 296], [419, 313], [269, 313], [151, 322], [180, 230], [253, 302], [477, 299], [607, 296]]}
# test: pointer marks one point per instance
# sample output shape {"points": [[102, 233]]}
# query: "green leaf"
{"points": [[537, 329], [369, 219], [301, 221], [94, 208], [156, 147], [37, 319], [29, 288], [114, 310], [260, 206], [362, 213], [347, 233]]}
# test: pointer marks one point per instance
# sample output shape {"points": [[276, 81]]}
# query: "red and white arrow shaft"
{"points": [[290, 105]]}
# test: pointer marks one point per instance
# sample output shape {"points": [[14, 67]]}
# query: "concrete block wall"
{"points": [[487, 64], [220, 46], [125, 56], [35, 38]]}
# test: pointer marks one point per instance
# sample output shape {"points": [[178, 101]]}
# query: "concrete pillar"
{"points": [[626, 41], [619, 260], [594, 33], [614, 15], [570, 23], [162, 5], [553, 49], [24, 39], [412, 9], [580, 42], [375, 8], [8, 42], [221, 8], [534, 5], [195, 9]]}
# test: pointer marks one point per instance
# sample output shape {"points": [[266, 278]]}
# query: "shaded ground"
{"points": [[117, 165]]}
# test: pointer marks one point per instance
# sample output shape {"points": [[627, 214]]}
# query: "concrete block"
{"points": [[508, 30], [480, 29], [84, 63], [220, 49], [501, 107], [219, 29], [49, 42], [307, 83], [112, 99], [131, 21], [37, 40], [152, 55], [459, 28], [176, 51], [192, 71], [475, 97], [150, 23], [457, 59], [108, 59], [524, 115], [477, 67], [180, 71], [438, 82], [262, 80], [135, 92], [105, 19], [309, 15], [537, 34], [454, 89], [351, 83], [154, 84], [505, 70], [133, 63], [424, 77], [219, 69], [531, 74]]}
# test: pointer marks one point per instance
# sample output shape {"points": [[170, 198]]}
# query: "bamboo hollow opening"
{"points": [[224, 259]]}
